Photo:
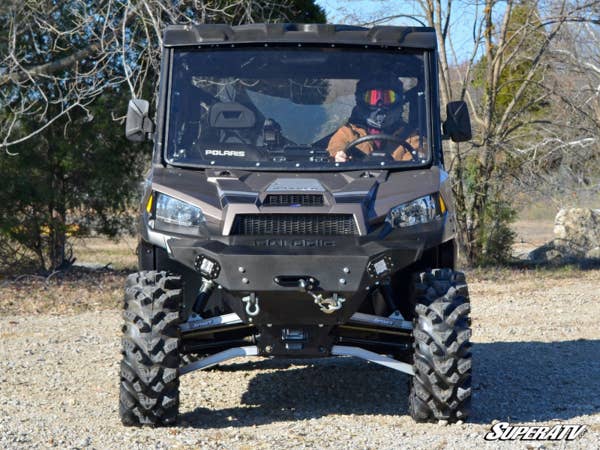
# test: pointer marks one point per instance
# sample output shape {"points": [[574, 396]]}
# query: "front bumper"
{"points": [[270, 269]]}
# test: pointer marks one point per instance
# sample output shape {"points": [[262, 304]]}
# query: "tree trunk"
{"points": [[58, 240]]}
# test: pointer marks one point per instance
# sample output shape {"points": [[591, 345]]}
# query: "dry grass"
{"points": [[119, 255], [64, 293], [534, 232], [78, 289], [84, 289]]}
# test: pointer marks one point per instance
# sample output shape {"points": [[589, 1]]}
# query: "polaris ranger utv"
{"points": [[297, 207]]}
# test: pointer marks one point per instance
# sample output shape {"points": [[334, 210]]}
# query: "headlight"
{"points": [[175, 215], [421, 210]]}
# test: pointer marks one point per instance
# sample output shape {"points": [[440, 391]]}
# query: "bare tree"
{"points": [[567, 157], [506, 104], [516, 111], [59, 56]]}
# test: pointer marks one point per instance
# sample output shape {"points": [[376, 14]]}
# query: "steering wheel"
{"points": [[352, 151]]}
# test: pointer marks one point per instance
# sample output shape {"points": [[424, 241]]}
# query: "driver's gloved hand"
{"points": [[341, 156]]}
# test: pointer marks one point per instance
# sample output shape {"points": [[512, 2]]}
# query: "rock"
{"points": [[576, 236], [92, 266], [546, 252], [577, 230], [593, 253]]}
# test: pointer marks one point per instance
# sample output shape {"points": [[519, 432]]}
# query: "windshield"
{"points": [[296, 107]]}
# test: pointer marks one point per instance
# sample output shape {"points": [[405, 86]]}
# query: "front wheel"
{"points": [[149, 391], [441, 386]]}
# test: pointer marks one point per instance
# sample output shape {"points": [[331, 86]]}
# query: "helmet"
{"points": [[379, 103]]}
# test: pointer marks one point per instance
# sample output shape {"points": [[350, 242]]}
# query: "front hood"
{"points": [[222, 194]]}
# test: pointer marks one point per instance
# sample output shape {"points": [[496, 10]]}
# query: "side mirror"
{"points": [[138, 124], [458, 124]]}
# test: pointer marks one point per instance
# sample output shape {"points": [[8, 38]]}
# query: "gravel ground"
{"points": [[536, 359]]}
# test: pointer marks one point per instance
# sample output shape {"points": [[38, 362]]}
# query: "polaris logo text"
{"points": [[238, 153], [503, 431], [298, 243]]}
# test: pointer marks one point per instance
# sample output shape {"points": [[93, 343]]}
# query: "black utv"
{"points": [[297, 207]]}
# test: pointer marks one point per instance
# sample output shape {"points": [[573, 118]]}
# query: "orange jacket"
{"points": [[350, 132]]}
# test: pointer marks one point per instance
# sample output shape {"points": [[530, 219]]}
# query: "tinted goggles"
{"points": [[377, 97]]}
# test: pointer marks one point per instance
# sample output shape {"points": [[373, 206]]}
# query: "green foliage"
{"points": [[76, 177], [489, 234], [524, 37], [307, 11], [495, 236]]}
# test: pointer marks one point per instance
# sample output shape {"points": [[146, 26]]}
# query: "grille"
{"points": [[293, 200], [295, 224]]}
